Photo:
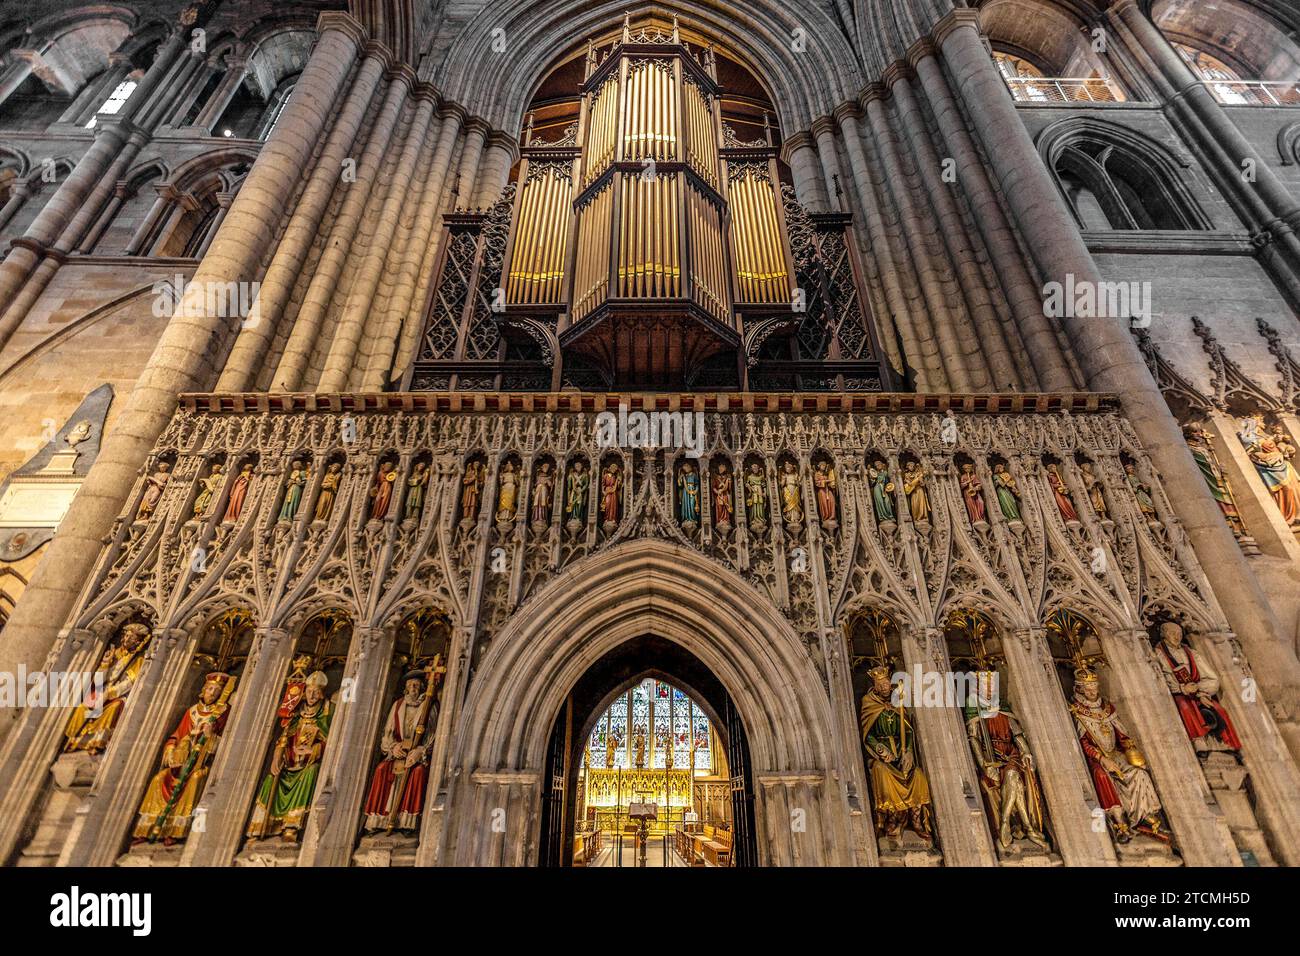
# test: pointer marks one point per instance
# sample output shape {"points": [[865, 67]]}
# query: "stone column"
{"points": [[494, 170], [952, 228], [307, 327], [20, 67], [960, 360], [475, 138], [1110, 359], [18, 194], [249, 352], [408, 277], [961, 827], [72, 195], [1067, 787], [1040, 342], [212, 110], [224, 201], [342, 358], [187, 353], [1191, 92], [923, 355], [86, 105], [823, 131], [801, 156]]}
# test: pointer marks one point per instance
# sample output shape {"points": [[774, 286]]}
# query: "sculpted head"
{"points": [[1171, 634]]}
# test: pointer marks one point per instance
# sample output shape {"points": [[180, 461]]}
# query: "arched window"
{"points": [[655, 723], [116, 100], [1110, 186], [279, 100]]}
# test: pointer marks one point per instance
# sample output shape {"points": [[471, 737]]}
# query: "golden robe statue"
{"points": [[899, 786], [92, 723]]}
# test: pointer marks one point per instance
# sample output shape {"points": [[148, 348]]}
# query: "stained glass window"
{"points": [[671, 725]]}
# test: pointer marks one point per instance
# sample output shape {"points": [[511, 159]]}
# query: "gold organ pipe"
{"points": [[519, 262], [766, 266], [744, 244], [532, 194], [545, 238]]}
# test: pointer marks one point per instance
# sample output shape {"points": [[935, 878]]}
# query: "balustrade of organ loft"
{"points": [[646, 245]]}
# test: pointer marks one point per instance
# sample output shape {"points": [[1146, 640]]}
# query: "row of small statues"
{"points": [[380, 495], [690, 483]]}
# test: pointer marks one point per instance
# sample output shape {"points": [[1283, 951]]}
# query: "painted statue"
{"points": [[1141, 493], [543, 494], [395, 799], [825, 484], [285, 795], [1004, 485], [293, 487], [238, 494], [756, 495], [153, 490], [381, 493], [507, 492], [918, 500], [92, 722], [611, 493], [1092, 485], [1196, 693], [788, 485], [882, 490], [973, 494], [167, 809], [722, 489], [898, 784], [209, 487], [1119, 770], [1198, 443], [471, 486], [1008, 778], [688, 494], [575, 496], [416, 485], [1064, 503], [639, 746], [1270, 452], [329, 489]]}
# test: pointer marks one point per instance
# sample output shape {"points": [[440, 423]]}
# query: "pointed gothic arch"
{"points": [[662, 590]]}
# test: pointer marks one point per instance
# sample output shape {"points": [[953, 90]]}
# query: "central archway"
{"points": [[613, 676], [636, 591]]}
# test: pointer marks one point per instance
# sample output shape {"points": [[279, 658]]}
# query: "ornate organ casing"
{"points": [[661, 236], [647, 247]]}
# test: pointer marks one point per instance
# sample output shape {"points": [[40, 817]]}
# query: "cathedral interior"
{"points": [[688, 433]]}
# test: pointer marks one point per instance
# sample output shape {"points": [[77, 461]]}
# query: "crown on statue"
{"points": [[1085, 675], [880, 670]]}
